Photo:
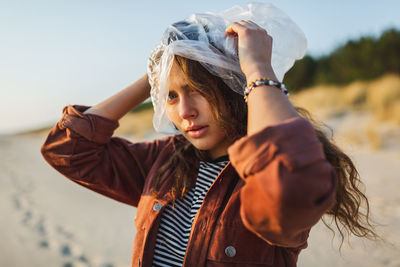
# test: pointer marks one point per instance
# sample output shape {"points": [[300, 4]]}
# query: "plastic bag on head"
{"points": [[201, 37]]}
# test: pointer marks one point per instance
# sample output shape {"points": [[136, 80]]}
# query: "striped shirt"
{"points": [[176, 223]]}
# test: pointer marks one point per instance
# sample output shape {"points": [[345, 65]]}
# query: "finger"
{"points": [[234, 28], [238, 26], [252, 23], [246, 23], [243, 22], [256, 26]]}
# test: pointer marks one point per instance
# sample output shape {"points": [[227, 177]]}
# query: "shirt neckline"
{"points": [[219, 159]]}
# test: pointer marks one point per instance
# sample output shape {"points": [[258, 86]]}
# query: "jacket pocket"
{"points": [[234, 245]]}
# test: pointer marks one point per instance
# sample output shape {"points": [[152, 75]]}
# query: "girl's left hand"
{"points": [[254, 49]]}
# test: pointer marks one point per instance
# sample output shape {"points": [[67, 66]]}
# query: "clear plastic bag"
{"points": [[201, 37]]}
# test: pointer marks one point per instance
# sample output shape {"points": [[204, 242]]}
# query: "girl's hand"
{"points": [[254, 49]]}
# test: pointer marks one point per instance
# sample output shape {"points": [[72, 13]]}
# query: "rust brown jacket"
{"points": [[258, 212]]}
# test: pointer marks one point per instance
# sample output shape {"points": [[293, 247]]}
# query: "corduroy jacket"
{"points": [[258, 212]]}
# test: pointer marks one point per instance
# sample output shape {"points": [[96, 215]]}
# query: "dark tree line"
{"points": [[363, 59]]}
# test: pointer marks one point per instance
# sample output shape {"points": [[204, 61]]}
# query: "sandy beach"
{"points": [[50, 221]]}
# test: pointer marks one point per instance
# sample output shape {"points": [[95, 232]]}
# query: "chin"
{"points": [[201, 144]]}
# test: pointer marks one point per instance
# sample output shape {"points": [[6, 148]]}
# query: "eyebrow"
{"points": [[185, 87]]}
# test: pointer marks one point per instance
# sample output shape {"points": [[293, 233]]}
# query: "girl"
{"points": [[243, 182]]}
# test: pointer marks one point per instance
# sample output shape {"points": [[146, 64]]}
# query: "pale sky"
{"points": [[55, 53]]}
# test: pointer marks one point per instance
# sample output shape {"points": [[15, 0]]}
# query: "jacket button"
{"points": [[230, 251], [157, 206]]}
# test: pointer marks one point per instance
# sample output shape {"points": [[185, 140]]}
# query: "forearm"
{"points": [[267, 105], [118, 105]]}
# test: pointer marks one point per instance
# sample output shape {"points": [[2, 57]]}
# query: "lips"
{"points": [[194, 127], [196, 131]]}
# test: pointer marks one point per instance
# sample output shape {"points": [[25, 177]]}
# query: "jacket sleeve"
{"points": [[81, 148], [288, 182]]}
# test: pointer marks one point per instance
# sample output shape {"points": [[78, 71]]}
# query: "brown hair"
{"points": [[350, 213], [347, 212], [233, 121]]}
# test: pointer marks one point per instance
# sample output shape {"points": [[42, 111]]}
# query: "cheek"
{"points": [[171, 114], [220, 134]]}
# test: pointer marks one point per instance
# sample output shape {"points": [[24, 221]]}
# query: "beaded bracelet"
{"points": [[264, 81]]}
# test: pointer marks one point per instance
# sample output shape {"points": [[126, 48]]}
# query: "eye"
{"points": [[172, 96]]}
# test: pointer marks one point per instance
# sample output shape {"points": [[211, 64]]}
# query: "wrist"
{"points": [[260, 73]]}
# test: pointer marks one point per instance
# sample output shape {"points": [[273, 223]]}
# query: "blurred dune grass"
{"points": [[137, 125], [369, 112], [377, 100]]}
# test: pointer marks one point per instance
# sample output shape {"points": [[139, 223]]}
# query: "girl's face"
{"points": [[191, 113]]}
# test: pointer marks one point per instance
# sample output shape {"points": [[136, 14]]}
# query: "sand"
{"points": [[48, 220]]}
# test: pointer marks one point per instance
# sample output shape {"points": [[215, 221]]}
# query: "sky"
{"points": [[55, 53]]}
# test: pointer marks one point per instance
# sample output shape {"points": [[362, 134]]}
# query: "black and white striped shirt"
{"points": [[176, 223]]}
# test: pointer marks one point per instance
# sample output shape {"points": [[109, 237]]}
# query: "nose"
{"points": [[187, 108]]}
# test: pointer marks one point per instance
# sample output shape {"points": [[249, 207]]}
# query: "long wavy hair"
{"points": [[350, 214]]}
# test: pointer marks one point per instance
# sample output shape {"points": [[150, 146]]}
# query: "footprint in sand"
{"points": [[44, 244], [65, 251], [40, 228], [51, 236], [66, 234], [27, 218], [16, 202]]}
